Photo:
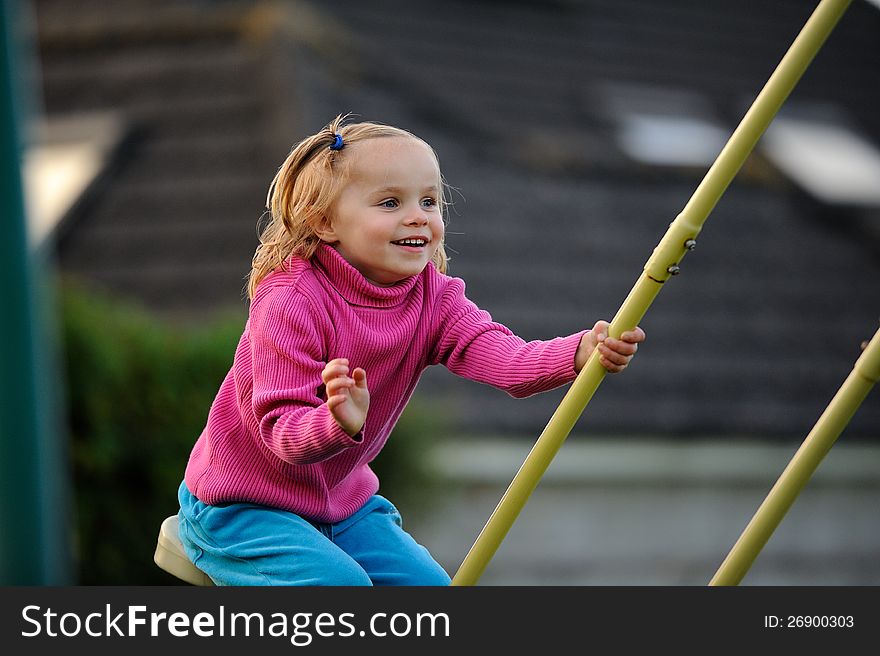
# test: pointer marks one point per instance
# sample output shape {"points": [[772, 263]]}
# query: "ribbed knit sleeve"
{"points": [[288, 399], [473, 346]]}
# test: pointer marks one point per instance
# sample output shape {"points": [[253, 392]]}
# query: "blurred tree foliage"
{"points": [[138, 392]]}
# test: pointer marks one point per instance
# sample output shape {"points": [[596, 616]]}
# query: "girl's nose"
{"points": [[417, 217]]}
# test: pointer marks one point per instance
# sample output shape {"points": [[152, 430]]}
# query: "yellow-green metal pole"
{"points": [[663, 263], [815, 447]]}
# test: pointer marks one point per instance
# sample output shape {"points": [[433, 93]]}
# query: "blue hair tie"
{"points": [[337, 142]]}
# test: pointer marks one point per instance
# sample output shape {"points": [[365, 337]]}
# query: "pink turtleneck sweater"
{"points": [[269, 437]]}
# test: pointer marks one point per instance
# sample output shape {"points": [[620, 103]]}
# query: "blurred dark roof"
{"points": [[197, 84], [552, 222]]}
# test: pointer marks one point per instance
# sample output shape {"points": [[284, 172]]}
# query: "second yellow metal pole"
{"points": [[678, 240], [815, 447]]}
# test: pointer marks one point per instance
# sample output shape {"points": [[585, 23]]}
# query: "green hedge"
{"points": [[138, 393]]}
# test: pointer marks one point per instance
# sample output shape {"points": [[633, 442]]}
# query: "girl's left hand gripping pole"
{"points": [[663, 263]]}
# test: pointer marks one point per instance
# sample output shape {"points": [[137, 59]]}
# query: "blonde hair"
{"points": [[304, 189]]}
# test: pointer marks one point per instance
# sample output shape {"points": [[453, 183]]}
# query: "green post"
{"points": [[678, 240], [815, 447], [34, 540]]}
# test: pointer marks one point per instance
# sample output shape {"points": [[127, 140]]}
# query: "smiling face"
{"points": [[386, 221]]}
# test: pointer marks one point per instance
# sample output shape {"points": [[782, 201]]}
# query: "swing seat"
{"points": [[171, 557]]}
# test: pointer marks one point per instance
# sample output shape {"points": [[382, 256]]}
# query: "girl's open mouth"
{"points": [[417, 243]]}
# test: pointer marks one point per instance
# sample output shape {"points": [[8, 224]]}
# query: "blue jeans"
{"points": [[250, 544]]}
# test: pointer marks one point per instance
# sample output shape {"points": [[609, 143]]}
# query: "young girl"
{"points": [[349, 304]]}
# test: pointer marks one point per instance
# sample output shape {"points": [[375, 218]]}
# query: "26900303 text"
{"points": [[809, 621]]}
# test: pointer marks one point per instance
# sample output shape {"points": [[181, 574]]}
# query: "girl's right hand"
{"points": [[348, 398]]}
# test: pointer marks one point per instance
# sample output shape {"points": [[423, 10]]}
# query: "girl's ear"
{"points": [[325, 232]]}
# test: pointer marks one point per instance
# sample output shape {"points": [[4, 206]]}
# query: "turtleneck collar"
{"points": [[351, 284]]}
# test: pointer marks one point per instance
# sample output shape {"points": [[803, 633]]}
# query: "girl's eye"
{"points": [[429, 202], [389, 203]]}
